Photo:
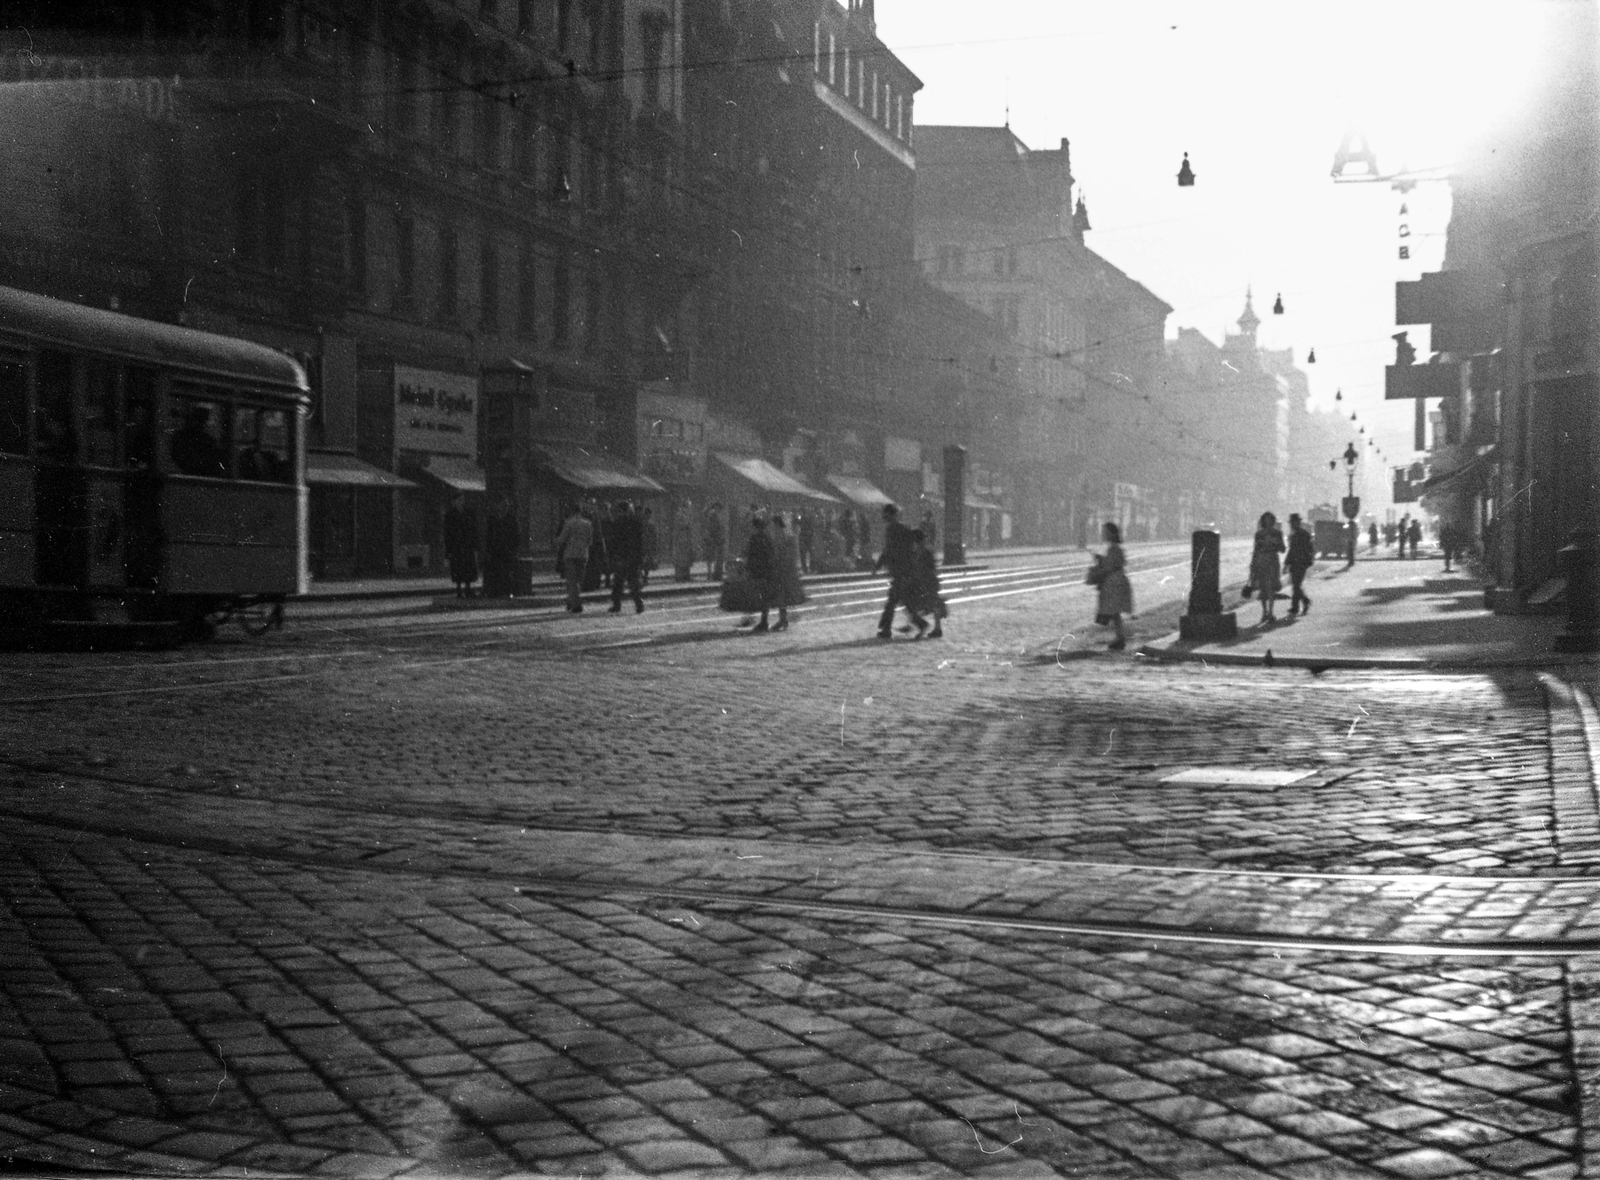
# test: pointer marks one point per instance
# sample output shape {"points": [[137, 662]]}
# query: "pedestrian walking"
{"points": [[787, 588], [1114, 597], [1452, 539], [461, 545], [1301, 557], [650, 545], [500, 549], [760, 566], [1404, 534], [596, 569], [1372, 534], [683, 549], [1415, 533], [572, 553], [925, 585], [625, 546], [805, 532], [716, 541], [900, 556], [1264, 575], [847, 530]]}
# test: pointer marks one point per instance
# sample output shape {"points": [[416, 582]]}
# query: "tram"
{"points": [[152, 477]]}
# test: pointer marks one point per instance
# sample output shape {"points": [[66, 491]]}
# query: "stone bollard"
{"points": [[1206, 620], [1579, 562]]}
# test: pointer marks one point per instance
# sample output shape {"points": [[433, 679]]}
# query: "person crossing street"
{"points": [[900, 556]]}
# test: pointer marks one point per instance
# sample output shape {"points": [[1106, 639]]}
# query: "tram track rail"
{"points": [[296, 833]]}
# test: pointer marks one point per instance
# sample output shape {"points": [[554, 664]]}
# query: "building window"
{"points": [[593, 303], [560, 304], [355, 240], [861, 82], [874, 94], [488, 130], [405, 263], [449, 274], [833, 46], [489, 284], [527, 303], [900, 114], [847, 71], [816, 47]]}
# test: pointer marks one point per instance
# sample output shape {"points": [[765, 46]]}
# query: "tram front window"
{"points": [[261, 440], [197, 445]]}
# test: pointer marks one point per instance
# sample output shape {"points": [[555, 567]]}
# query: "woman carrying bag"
{"points": [[1265, 577], [1116, 592]]}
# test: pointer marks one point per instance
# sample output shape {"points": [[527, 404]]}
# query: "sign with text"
{"points": [[435, 412]]}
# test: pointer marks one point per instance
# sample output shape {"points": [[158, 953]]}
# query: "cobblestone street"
{"points": [[425, 892]]}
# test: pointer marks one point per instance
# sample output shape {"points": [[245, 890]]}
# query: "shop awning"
{"points": [[861, 492], [1470, 477], [348, 471], [591, 470], [768, 479], [456, 473]]}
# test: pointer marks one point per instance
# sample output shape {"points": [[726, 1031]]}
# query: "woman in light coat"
{"points": [[1264, 572], [1116, 592]]}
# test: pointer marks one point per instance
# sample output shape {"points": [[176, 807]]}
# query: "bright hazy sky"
{"points": [[1259, 93]]}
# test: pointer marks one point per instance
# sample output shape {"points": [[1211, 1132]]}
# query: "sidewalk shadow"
{"points": [[1452, 586]]}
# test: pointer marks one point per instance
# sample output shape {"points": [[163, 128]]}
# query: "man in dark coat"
{"points": [[900, 555], [1299, 559], [461, 545], [625, 545]]}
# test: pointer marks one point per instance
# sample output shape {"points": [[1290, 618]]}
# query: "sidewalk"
{"points": [[1383, 612]]}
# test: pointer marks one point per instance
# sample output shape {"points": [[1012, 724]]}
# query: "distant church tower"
{"points": [[1248, 322]]}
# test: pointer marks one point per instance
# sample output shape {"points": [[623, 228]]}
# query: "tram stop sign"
{"points": [[1351, 506]]}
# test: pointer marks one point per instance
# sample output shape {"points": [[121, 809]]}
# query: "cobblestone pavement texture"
{"points": [[652, 895]]}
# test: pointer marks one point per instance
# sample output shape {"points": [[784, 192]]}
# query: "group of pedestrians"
{"points": [[617, 545], [1266, 576]]}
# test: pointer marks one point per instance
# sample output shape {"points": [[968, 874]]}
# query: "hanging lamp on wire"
{"points": [[1277, 304], [1338, 395], [1185, 173], [1311, 357]]}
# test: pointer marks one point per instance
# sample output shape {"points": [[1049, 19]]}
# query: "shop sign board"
{"points": [[436, 413]]}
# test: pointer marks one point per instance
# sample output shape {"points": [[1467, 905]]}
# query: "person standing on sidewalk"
{"points": [[1302, 556], [900, 555], [805, 531], [461, 545], [1264, 573], [626, 547], [1415, 533], [572, 554], [716, 541], [1404, 533], [760, 562], [787, 589]]}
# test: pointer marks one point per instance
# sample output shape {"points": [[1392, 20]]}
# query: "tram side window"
{"points": [[13, 407], [139, 418], [101, 414], [197, 444], [261, 441], [56, 438]]}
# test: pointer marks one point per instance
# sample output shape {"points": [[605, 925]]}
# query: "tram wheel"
{"points": [[257, 618]]}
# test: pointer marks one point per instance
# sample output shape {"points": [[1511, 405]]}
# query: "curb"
{"points": [[1168, 651]]}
